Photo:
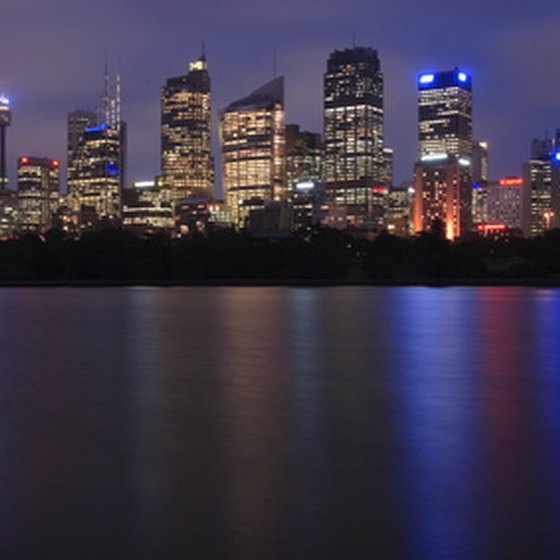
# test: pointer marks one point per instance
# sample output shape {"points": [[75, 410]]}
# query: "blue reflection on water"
{"points": [[435, 382], [548, 355]]}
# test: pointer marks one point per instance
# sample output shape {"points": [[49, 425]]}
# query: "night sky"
{"points": [[52, 59]]}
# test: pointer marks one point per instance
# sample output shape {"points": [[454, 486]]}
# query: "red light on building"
{"points": [[511, 182], [24, 160], [379, 190], [487, 229], [55, 162]]}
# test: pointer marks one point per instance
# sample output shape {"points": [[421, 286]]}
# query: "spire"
{"points": [[109, 104]]}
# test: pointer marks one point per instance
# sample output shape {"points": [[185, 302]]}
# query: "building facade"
{"points": [[5, 122], [445, 113], [95, 176], [505, 202], [443, 192], [541, 204], [38, 193], [253, 137], [187, 167], [354, 161], [147, 209], [303, 156]]}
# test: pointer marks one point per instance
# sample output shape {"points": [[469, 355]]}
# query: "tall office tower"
{"points": [[147, 209], [354, 161], [397, 217], [480, 171], [187, 167], [38, 193], [95, 185], [443, 191], [541, 201], [303, 156], [445, 113], [5, 121], [253, 136], [480, 165], [97, 159], [77, 122], [389, 166], [505, 202]]}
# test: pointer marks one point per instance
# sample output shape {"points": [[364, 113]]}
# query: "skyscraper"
{"points": [[253, 136], [38, 193], [187, 167], [541, 177], [95, 185], [443, 175], [77, 122], [480, 176], [505, 202], [97, 159], [354, 161], [5, 121], [303, 155], [443, 192], [445, 113]]}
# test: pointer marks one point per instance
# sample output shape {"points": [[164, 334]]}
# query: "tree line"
{"points": [[319, 255]]}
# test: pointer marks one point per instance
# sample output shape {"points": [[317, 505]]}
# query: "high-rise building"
{"points": [[147, 209], [5, 122], [541, 201], [38, 193], [480, 174], [505, 202], [187, 166], [95, 184], [354, 161], [307, 205], [442, 192], [480, 164], [8, 212], [77, 122], [389, 164], [303, 156], [253, 136], [445, 113], [97, 159], [397, 216]]}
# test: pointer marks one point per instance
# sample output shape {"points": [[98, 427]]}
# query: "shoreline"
{"points": [[286, 283]]}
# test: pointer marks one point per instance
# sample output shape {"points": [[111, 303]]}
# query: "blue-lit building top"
{"points": [[445, 113], [453, 78]]}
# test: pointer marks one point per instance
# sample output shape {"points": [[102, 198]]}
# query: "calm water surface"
{"points": [[275, 423]]}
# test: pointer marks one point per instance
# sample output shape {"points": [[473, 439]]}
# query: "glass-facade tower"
{"points": [[353, 130], [445, 113], [253, 137], [187, 167]]}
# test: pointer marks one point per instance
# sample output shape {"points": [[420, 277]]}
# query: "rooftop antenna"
{"points": [[118, 99], [353, 39], [274, 63], [203, 57]]}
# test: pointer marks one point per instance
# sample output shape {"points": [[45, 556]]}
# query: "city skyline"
{"points": [[510, 106]]}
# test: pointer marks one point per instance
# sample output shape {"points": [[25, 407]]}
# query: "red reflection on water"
{"points": [[505, 334]]}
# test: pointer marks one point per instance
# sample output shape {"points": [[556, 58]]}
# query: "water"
{"points": [[277, 423]]}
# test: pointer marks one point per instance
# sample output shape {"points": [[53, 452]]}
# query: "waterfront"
{"points": [[280, 423]]}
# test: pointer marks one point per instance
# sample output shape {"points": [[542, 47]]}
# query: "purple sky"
{"points": [[52, 58]]}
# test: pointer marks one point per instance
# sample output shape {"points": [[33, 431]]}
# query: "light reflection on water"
{"points": [[280, 423]]}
